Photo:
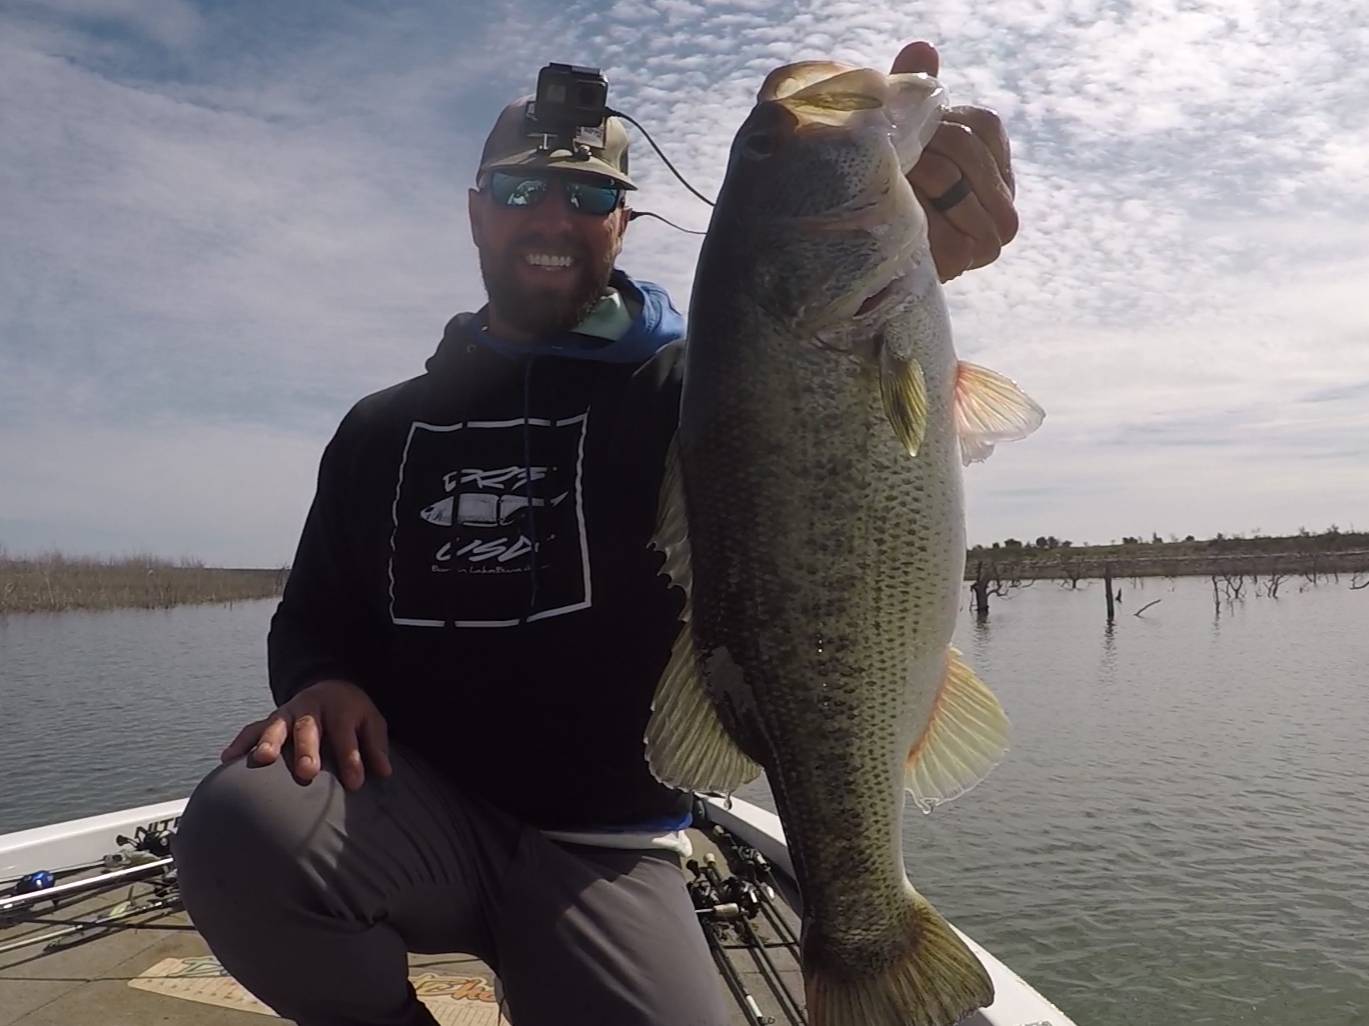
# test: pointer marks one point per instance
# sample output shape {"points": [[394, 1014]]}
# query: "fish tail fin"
{"points": [[935, 980]]}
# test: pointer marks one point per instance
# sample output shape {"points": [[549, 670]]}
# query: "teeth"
{"points": [[548, 260]]}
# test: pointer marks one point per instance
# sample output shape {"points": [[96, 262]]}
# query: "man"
{"points": [[466, 651]]}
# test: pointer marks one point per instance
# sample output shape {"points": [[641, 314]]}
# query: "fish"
{"points": [[812, 511]]}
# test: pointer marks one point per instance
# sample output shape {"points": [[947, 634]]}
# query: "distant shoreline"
{"points": [[52, 584], [56, 583], [1315, 556]]}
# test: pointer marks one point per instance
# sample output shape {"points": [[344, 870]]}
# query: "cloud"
{"points": [[224, 223]]}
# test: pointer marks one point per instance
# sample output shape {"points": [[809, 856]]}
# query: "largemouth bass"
{"points": [[813, 512]]}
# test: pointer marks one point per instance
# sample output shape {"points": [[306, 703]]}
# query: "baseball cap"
{"points": [[510, 146]]}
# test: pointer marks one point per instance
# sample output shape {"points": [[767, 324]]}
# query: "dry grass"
{"points": [[52, 582]]}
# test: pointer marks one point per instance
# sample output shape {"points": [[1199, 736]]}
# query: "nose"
{"points": [[553, 213]]}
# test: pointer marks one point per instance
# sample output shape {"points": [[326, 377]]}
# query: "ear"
{"points": [[620, 229], [475, 208]]}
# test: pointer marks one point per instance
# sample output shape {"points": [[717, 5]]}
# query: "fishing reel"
{"points": [[155, 843]]}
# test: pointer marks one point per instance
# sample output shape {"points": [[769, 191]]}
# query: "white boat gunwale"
{"points": [[85, 842]]}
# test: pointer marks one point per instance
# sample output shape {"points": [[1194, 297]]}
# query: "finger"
{"points": [[243, 742], [920, 57], [988, 129], [307, 732], [952, 250], [934, 176], [342, 739], [958, 144], [375, 740], [273, 735]]}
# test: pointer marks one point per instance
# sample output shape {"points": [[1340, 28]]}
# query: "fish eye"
{"points": [[760, 145]]}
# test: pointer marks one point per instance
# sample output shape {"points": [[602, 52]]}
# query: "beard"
{"points": [[543, 311]]}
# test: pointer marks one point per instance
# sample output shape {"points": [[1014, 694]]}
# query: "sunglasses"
{"points": [[522, 191]]}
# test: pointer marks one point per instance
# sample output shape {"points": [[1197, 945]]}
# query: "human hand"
{"points": [[335, 708], [970, 146]]}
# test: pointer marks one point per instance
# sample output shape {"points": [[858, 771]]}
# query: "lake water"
{"points": [[1180, 835]]}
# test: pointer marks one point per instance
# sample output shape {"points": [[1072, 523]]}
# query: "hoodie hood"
{"points": [[656, 323]]}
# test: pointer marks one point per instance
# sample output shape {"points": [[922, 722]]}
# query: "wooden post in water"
{"points": [[1107, 586]]}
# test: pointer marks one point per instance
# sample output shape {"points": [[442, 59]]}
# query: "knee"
{"points": [[240, 830]]}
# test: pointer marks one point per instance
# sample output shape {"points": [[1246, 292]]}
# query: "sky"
{"points": [[223, 223]]}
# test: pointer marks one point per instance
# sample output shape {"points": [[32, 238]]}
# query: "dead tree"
{"points": [[1234, 584], [1271, 587], [983, 588]]}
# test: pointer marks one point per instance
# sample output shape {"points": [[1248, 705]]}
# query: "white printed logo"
{"points": [[473, 524]]}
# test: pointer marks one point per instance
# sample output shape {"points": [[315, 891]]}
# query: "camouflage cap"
{"points": [[510, 146]]}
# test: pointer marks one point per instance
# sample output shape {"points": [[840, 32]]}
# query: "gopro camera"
{"points": [[570, 107]]}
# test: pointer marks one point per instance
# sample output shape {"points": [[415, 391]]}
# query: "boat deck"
{"points": [[117, 976]]}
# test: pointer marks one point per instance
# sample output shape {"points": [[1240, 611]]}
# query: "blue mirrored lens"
{"points": [[522, 191], [517, 190], [592, 199]]}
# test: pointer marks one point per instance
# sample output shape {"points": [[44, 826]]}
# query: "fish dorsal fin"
{"points": [[989, 409], [672, 523], [687, 745], [903, 387], [966, 738]]}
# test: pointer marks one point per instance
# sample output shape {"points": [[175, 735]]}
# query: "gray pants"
{"points": [[311, 896]]}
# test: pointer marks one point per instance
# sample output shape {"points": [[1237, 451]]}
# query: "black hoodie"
{"points": [[527, 680]]}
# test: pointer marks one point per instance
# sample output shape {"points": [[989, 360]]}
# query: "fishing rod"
{"points": [[105, 922], [748, 896], [712, 910], [759, 870], [89, 884]]}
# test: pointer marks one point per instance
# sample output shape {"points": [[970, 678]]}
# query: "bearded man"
{"points": [[465, 654]]}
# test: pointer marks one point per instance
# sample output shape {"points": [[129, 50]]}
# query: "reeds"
{"points": [[52, 582]]}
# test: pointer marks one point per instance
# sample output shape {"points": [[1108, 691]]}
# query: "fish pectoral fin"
{"points": [[903, 388], [965, 739], [990, 409], [672, 523], [687, 745]]}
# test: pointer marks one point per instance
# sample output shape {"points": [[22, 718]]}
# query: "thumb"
{"points": [[919, 57]]}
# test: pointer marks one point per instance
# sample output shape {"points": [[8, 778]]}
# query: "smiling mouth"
{"points": [[549, 261]]}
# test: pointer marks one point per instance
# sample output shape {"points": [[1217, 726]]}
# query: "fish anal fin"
{"points": [[989, 409], [966, 737], [687, 745], [903, 387]]}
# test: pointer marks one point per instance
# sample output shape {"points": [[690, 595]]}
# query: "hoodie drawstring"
{"points": [[527, 487]]}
